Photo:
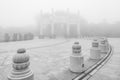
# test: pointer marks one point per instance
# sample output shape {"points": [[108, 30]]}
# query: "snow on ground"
{"points": [[47, 54]]}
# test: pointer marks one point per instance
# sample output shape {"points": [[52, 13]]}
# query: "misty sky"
{"points": [[23, 12]]}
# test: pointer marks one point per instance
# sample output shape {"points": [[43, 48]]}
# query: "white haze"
{"points": [[17, 13]]}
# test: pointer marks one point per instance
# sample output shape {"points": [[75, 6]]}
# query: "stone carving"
{"points": [[21, 70], [76, 48], [104, 45], [95, 50], [76, 59]]}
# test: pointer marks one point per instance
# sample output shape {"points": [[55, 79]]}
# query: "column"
{"points": [[104, 45], [68, 30], [95, 52], [78, 28], [21, 70], [76, 59]]}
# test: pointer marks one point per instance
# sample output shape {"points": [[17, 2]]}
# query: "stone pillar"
{"points": [[6, 37], [53, 24], [41, 30], [21, 70], [76, 59], [95, 50], [68, 30], [52, 30], [41, 33], [107, 43], [104, 45], [20, 37], [78, 29]]}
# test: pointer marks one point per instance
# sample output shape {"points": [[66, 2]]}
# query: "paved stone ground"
{"points": [[111, 70], [47, 55]]}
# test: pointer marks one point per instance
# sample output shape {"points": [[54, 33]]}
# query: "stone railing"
{"points": [[79, 67]]}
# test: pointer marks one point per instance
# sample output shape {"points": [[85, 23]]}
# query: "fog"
{"points": [[21, 13]]}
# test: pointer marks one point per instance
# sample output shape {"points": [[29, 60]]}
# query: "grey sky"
{"points": [[23, 12]]}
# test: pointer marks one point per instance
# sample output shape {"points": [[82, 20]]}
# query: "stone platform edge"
{"points": [[91, 71]]}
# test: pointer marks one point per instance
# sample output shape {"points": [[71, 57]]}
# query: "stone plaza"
{"points": [[50, 58]]}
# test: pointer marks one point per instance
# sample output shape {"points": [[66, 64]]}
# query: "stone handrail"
{"points": [[89, 72]]}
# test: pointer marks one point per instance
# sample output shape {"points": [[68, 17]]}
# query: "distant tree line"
{"points": [[101, 29], [18, 37], [91, 30]]}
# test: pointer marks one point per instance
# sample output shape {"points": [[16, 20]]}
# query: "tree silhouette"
{"points": [[6, 37]]}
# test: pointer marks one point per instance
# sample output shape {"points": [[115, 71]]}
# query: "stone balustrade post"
{"points": [[95, 52], [76, 59], [104, 45], [20, 65]]}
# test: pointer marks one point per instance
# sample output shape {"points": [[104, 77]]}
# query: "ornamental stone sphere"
{"points": [[95, 43], [104, 45], [21, 56], [21, 60], [76, 59], [20, 65], [76, 48], [102, 40], [95, 50]]}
